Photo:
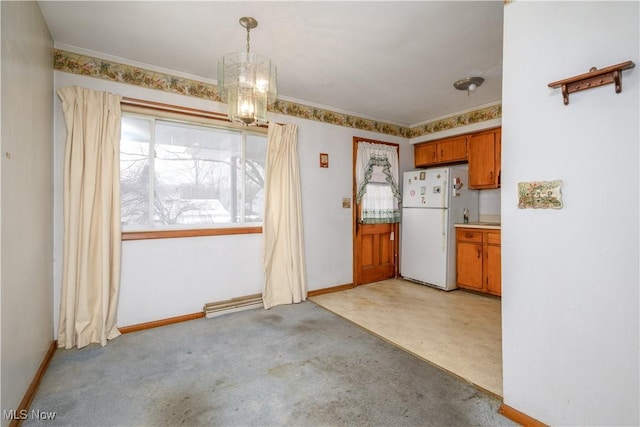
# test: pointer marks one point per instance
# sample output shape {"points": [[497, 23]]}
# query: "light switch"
{"points": [[346, 202]]}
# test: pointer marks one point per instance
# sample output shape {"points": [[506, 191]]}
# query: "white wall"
{"points": [[570, 292], [172, 277], [26, 200]]}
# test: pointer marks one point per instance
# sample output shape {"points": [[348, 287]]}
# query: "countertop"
{"points": [[489, 225]]}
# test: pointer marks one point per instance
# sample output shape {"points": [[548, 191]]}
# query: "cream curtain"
{"points": [[377, 178], [91, 256], [284, 266]]}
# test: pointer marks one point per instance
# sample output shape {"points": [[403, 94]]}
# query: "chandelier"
{"points": [[247, 83]]}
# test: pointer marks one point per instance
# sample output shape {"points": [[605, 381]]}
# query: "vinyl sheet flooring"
{"points": [[459, 331]]}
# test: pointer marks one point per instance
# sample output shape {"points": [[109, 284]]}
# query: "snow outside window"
{"points": [[176, 175]]}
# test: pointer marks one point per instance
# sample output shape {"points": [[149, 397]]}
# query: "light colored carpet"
{"points": [[458, 331], [294, 365]]}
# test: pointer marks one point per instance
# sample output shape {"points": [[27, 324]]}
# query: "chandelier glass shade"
{"points": [[247, 83]]}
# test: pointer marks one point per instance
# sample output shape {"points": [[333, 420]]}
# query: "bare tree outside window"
{"points": [[176, 174]]}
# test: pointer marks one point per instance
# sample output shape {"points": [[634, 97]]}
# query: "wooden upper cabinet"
{"points": [[425, 154], [453, 149], [449, 150], [484, 152]]}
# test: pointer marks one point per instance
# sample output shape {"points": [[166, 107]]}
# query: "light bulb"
{"points": [[472, 87]]}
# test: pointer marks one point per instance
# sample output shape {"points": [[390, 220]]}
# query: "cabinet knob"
{"points": [[479, 253]]}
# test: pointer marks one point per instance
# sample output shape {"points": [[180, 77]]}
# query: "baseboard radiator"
{"points": [[248, 302]]}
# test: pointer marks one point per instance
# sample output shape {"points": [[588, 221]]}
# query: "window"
{"points": [[179, 175]]}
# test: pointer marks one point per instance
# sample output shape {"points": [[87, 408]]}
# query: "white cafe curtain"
{"points": [[284, 266], [91, 255], [377, 183]]}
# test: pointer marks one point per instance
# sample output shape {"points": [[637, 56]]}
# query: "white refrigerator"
{"points": [[433, 200]]}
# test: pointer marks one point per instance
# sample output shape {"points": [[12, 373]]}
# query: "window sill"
{"points": [[170, 234]]}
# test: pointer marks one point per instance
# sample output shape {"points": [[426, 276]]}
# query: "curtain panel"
{"points": [[91, 254], [283, 244], [377, 178]]}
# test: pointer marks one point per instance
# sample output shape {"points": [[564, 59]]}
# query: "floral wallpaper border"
{"points": [[74, 63]]}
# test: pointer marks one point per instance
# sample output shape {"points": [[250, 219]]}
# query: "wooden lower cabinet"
{"points": [[478, 262], [469, 259]]}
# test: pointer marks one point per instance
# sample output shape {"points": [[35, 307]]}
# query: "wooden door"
{"points": [[375, 246], [377, 260]]}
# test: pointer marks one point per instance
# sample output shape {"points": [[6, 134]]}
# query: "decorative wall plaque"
{"points": [[324, 160], [540, 194]]}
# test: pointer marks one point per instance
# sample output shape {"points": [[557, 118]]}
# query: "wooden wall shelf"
{"points": [[593, 78]]}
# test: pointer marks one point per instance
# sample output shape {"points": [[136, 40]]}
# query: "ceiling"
{"points": [[391, 61]]}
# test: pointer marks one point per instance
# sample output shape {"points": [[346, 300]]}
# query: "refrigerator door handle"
{"points": [[443, 213], [444, 192], [443, 234]]}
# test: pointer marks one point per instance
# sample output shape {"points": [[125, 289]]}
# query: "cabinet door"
{"points": [[469, 265], [494, 271], [424, 154], [484, 162], [454, 149]]}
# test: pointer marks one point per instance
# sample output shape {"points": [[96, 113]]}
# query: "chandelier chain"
{"points": [[248, 38]]}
